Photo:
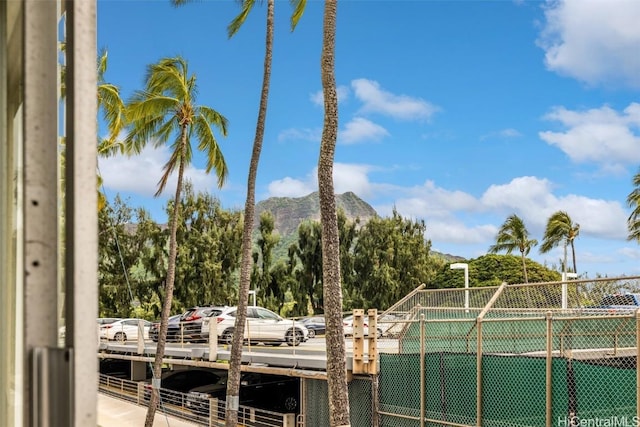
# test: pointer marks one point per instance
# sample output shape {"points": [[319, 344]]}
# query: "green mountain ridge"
{"points": [[290, 212]]}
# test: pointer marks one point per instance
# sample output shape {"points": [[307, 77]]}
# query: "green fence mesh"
{"points": [[513, 390], [317, 403]]}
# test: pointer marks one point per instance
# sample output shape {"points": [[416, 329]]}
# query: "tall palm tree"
{"points": [[561, 229], [233, 384], [633, 201], [332, 293], [167, 108], [512, 235]]}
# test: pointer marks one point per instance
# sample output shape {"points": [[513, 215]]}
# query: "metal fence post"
{"points": [[479, 372], [422, 378], [213, 340], [637, 359], [479, 320], [549, 366]]}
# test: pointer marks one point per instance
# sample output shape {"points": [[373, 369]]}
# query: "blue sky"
{"points": [[460, 113]]}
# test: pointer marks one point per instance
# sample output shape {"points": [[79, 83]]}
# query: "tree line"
{"points": [[381, 261]]}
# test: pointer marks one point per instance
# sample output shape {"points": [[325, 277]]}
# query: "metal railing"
{"points": [[191, 407]]}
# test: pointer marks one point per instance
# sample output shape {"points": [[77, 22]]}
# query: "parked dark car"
{"points": [[276, 393], [315, 325], [186, 326], [174, 383], [173, 329]]}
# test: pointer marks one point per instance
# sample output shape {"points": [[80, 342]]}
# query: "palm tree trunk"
{"points": [[524, 267], [171, 275], [336, 354], [233, 386], [573, 255]]}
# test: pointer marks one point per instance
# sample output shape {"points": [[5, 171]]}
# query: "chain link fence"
{"points": [[545, 354]]}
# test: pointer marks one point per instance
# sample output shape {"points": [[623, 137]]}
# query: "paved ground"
{"points": [[114, 412]]}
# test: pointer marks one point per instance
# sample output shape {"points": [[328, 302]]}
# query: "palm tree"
{"points": [[561, 229], [336, 355], [165, 108], [633, 201], [233, 384], [513, 234]]}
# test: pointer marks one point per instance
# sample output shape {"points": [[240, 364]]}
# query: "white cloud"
{"points": [[459, 233], [290, 187], [377, 100], [318, 97], [361, 130], [593, 41], [600, 135], [532, 199], [525, 192], [346, 177], [508, 133], [429, 201], [632, 253], [306, 134], [140, 174]]}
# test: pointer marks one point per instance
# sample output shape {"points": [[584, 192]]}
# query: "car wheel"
{"points": [[120, 337], [227, 336], [290, 404], [294, 337], [312, 333]]}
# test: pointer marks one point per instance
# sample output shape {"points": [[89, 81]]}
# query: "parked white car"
{"points": [[347, 324], [262, 325], [125, 330]]}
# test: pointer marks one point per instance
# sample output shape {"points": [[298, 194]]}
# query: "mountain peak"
{"points": [[289, 212]]}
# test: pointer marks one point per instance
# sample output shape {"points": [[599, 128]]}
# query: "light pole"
{"points": [[565, 296], [463, 266]]}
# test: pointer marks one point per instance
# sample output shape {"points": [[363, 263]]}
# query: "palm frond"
{"points": [[560, 229], [112, 107], [633, 201], [169, 77], [512, 235], [214, 118], [209, 145], [108, 147], [102, 64], [142, 131], [149, 105], [236, 23], [298, 10], [173, 163]]}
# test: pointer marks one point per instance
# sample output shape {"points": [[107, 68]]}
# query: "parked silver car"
{"points": [[262, 325]]}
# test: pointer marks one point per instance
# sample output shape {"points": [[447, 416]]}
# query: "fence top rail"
{"points": [[560, 297]]}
